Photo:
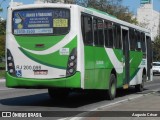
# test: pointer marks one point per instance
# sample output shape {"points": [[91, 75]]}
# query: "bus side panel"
{"points": [[102, 69], [98, 67], [135, 67], [120, 76], [89, 67]]}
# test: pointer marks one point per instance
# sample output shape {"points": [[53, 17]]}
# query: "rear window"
{"points": [[41, 21], [156, 64]]}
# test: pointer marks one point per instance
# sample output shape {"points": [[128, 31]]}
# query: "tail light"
{"points": [[10, 63], [72, 63]]}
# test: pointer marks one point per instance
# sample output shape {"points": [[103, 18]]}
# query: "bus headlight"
{"points": [[10, 63], [72, 63]]}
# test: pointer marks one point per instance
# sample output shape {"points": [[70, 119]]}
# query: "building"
{"points": [[149, 18]]}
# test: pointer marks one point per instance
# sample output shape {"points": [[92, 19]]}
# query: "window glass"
{"points": [[106, 34], [143, 42], [117, 37], [132, 39], [86, 22], [95, 29], [110, 27], [100, 32], [138, 40]]}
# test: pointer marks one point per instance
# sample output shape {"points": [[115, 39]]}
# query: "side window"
{"points": [[100, 32], [86, 24], [110, 34], [106, 34], [143, 43], [95, 29], [117, 37], [132, 39], [138, 40]]}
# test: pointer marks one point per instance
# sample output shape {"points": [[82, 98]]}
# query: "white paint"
{"points": [[109, 105], [118, 65], [68, 38], [21, 60]]}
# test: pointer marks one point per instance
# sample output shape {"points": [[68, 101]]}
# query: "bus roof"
{"points": [[90, 11], [109, 17]]}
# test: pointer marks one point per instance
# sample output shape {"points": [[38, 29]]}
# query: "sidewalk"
{"points": [[2, 80], [146, 107]]}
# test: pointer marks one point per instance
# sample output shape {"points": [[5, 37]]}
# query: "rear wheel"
{"points": [[56, 93], [111, 92], [140, 87]]}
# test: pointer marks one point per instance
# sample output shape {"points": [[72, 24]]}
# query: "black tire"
{"points": [[140, 87], [56, 93], [111, 92]]}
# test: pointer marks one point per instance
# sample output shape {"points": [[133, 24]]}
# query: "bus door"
{"points": [[149, 58], [125, 40]]}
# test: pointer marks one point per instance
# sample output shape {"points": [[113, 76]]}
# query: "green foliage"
{"points": [[2, 64], [2, 27], [2, 46], [156, 49], [2, 74], [114, 8]]}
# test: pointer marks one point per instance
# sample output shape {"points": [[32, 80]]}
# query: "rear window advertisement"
{"points": [[41, 21]]}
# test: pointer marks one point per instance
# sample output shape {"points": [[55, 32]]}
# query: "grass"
{"points": [[2, 64], [2, 72]]}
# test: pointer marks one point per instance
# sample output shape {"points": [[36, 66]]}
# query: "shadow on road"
{"points": [[74, 100]]}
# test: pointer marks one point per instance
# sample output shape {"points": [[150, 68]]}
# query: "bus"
{"points": [[65, 47]]}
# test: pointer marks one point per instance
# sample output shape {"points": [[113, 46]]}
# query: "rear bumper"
{"points": [[69, 82]]}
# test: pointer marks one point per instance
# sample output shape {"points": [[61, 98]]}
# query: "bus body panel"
{"points": [[69, 82], [94, 64], [42, 57]]}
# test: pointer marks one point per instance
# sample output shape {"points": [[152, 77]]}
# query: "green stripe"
{"points": [[34, 59], [134, 74]]}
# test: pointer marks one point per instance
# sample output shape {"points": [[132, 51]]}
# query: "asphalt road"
{"points": [[39, 100]]}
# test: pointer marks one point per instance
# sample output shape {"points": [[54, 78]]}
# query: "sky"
{"points": [[132, 4]]}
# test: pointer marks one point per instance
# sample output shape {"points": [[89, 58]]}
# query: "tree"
{"points": [[2, 46], [156, 49], [114, 8], [2, 37], [2, 27], [55, 1]]}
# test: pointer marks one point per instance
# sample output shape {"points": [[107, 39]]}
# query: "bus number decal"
{"points": [[28, 67]]}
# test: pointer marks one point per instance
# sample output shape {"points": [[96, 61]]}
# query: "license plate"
{"points": [[40, 72]]}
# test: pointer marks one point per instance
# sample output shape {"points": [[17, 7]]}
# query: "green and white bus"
{"points": [[65, 47]]}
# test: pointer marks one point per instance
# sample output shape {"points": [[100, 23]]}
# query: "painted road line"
{"points": [[79, 116]]}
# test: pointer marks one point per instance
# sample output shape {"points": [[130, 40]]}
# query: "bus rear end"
{"points": [[41, 47]]}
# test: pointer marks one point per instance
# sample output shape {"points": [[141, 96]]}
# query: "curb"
{"points": [[80, 116], [2, 80]]}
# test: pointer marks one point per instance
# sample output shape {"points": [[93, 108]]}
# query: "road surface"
{"points": [[39, 100]]}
